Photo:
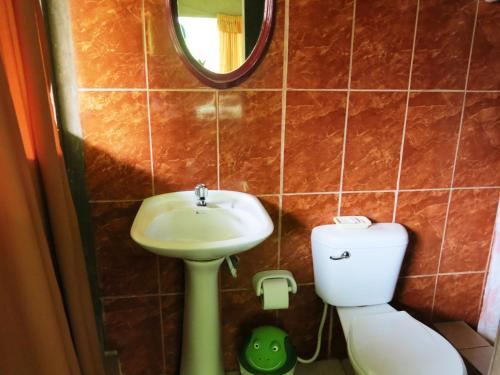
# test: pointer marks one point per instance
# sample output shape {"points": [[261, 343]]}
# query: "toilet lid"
{"points": [[395, 343]]}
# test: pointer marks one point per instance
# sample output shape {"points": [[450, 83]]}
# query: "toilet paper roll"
{"points": [[275, 294]]}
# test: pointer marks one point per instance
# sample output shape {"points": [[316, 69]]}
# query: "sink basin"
{"points": [[173, 225]]}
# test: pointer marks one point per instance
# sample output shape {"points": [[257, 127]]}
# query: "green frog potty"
{"points": [[268, 351]]}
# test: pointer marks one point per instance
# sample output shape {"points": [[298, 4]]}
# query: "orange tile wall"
{"points": [[390, 109]]}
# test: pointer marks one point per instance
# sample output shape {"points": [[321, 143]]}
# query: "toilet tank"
{"points": [[357, 267]]}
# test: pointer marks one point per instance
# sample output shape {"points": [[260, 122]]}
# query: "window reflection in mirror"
{"points": [[220, 34]]}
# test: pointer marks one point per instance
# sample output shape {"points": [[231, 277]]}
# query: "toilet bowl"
{"points": [[384, 341], [356, 270]]}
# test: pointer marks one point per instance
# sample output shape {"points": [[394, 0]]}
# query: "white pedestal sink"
{"points": [[173, 225]]}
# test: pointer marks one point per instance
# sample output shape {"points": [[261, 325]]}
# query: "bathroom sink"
{"points": [[202, 227], [173, 225]]}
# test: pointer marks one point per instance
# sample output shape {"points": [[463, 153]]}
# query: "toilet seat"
{"points": [[394, 343]]}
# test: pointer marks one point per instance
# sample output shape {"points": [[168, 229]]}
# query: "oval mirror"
{"points": [[221, 41]]}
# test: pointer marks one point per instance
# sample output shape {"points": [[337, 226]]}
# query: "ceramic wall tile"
{"points": [[165, 68], [470, 227], [124, 267], [430, 140], [319, 43], [443, 44], [133, 328], [485, 64], [301, 213], [383, 42], [416, 295], [172, 316], [241, 312], [378, 207], [107, 40], [423, 214], [458, 298], [478, 162], [314, 139], [171, 275], [249, 141], [261, 258], [373, 140], [116, 145], [183, 131]]}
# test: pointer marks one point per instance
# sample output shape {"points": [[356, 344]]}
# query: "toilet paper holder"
{"points": [[259, 278]]}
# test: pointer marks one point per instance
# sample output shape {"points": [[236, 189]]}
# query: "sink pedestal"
{"points": [[201, 343]]}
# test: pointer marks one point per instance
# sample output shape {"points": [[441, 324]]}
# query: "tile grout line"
{"points": [[128, 89], [317, 89], [102, 201], [420, 190], [324, 193], [457, 149], [342, 163], [401, 277], [441, 274], [208, 89], [407, 109], [246, 89], [145, 295], [390, 90], [484, 91], [150, 131], [135, 89], [246, 289], [347, 100], [148, 107], [475, 187], [279, 229], [283, 126], [217, 136], [311, 193], [111, 89]]}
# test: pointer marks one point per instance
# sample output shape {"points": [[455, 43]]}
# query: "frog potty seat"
{"points": [[268, 351]]}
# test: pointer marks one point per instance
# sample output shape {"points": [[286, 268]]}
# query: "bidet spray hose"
{"points": [[318, 344]]}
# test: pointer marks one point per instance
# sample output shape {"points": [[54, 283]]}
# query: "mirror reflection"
{"points": [[220, 34]]}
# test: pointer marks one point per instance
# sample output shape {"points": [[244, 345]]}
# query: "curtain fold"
{"points": [[47, 325], [489, 320], [230, 42]]}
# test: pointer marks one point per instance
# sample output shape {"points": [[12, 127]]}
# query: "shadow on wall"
{"points": [[142, 294]]}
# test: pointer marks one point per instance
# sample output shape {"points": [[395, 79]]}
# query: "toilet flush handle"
{"points": [[344, 255]]}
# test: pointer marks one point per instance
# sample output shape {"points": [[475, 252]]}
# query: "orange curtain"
{"points": [[47, 325], [230, 42]]}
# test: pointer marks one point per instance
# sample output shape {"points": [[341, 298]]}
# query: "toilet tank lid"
{"points": [[375, 236]]}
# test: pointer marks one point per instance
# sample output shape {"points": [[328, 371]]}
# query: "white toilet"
{"points": [[356, 270]]}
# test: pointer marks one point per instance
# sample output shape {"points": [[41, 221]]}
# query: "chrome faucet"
{"points": [[201, 193]]}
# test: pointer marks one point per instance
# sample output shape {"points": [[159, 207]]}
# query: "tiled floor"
{"points": [[329, 367], [476, 351]]}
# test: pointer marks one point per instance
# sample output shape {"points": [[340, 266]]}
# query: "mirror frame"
{"points": [[222, 80]]}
